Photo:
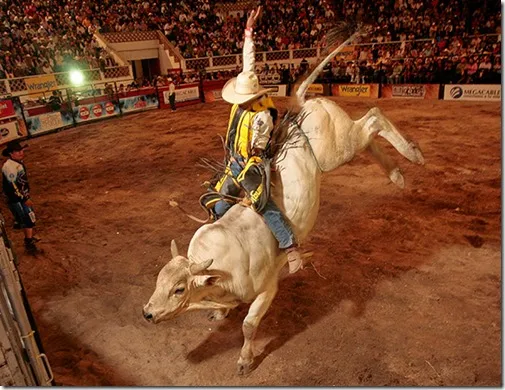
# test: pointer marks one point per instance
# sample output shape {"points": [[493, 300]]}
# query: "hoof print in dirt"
{"points": [[475, 241]]}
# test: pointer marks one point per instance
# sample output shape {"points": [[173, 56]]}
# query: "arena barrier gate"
{"points": [[22, 361], [21, 117]]}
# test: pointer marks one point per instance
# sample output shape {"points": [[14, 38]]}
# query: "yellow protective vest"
{"points": [[239, 137]]}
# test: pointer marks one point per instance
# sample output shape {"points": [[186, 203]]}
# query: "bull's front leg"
{"points": [[250, 325]]}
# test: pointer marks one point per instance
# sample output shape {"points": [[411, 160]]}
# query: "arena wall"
{"points": [[82, 105]]}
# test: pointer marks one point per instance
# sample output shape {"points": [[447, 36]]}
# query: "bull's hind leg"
{"points": [[394, 173], [374, 122], [249, 327]]}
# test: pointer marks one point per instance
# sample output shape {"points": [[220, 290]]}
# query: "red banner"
{"points": [[212, 90], [6, 109]]}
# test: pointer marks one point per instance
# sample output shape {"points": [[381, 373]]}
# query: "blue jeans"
{"points": [[278, 225], [271, 213], [21, 213]]}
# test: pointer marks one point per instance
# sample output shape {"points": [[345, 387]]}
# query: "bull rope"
{"points": [[173, 203]]}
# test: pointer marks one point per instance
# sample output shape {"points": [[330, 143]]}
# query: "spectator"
{"points": [[55, 101]]}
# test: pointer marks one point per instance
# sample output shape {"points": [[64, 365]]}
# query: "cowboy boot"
{"points": [[30, 247], [295, 261]]}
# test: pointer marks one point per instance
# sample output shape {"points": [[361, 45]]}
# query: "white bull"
{"points": [[237, 259]]}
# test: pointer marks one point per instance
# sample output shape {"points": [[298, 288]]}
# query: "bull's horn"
{"points": [[173, 249], [196, 268]]}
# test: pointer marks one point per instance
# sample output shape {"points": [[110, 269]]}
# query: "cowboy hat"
{"points": [[243, 88], [13, 146]]}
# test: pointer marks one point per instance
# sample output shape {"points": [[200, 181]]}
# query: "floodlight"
{"points": [[76, 77]]}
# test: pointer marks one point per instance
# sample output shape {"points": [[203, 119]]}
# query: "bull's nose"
{"points": [[148, 316]]}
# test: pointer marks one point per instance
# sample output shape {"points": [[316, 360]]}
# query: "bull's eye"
{"points": [[179, 291]]}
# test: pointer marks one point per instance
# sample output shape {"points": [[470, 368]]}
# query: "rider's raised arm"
{"points": [[248, 57]]}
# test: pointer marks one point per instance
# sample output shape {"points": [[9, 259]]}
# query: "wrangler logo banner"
{"points": [[39, 84], [356, 90]]}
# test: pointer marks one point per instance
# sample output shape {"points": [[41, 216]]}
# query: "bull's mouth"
{"points": [[159, 317]]}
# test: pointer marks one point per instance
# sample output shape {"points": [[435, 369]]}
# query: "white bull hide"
{"points": [[237, 259]]}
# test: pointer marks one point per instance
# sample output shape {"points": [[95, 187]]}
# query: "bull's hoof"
{"points": [[244, 368], [396, 177], [419, 155], [218, 315]]}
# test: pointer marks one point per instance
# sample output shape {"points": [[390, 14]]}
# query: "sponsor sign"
{"points": [[9, 130], [84, 112], [6, 109], [139, 103], [316, 89], [276, 90], [415, 91], [475, 92], [46, 122], [356, 90], [183, 95], [109, 108], [50, 121], [409, 91], [39, 84], [213, 95], [94, 111]]}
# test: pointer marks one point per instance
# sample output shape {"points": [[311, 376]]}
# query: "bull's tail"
{"points": [[302, 89]]}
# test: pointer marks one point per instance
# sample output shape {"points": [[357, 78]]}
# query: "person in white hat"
{"points": [[171, 93], [251, 122]]}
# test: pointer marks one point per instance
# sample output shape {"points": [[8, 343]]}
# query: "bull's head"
{"points": [[175, 287]]}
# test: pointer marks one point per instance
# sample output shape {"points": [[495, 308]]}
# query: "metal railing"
{"points": [[291, 56]]}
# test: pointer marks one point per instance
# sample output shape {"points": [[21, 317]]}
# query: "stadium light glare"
{"points": [[76, 77]]}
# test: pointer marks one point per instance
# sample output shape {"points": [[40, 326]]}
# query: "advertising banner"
{"points": [[87, 112], [6, 109], [138, 103], [315, 89], [39, 84], [277, 90], [414, 91], [212, 90], [183, 95], [9, 130], [474, 92], [356, 90], [213, 95], [46, 122]]}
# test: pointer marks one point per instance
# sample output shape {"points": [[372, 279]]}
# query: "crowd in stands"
{"points": [[46, 36], [452, 41], [410, 40]]}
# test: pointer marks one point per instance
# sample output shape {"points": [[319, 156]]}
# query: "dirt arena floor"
{"points": [[408, 290]]}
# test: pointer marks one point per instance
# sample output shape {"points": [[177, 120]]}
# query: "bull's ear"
{"points": [[205, 280], [196, 268], [173, 248]]}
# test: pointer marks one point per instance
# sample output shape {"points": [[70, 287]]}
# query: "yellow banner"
{"points": [[354, 90], [316, 89], [36, 85]]}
